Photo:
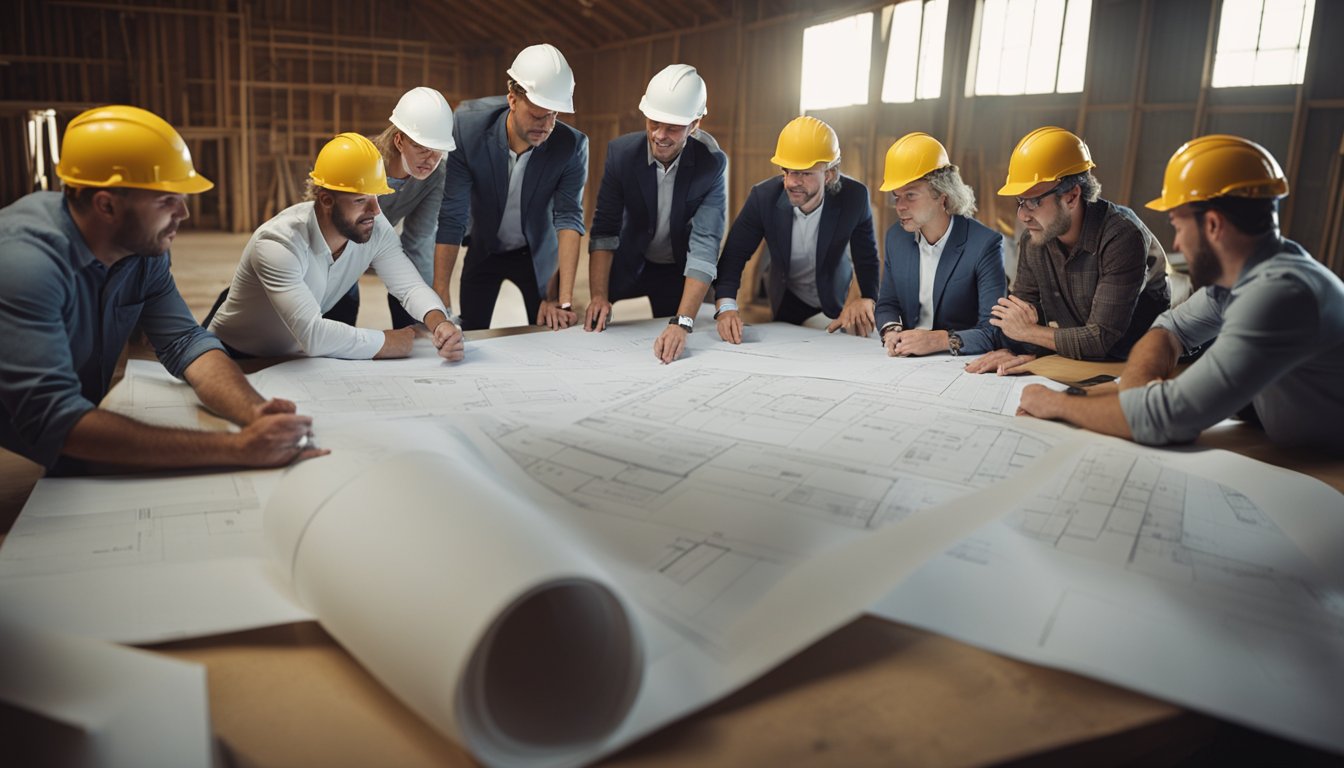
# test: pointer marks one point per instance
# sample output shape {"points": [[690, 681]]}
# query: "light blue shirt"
{"points": [[64, 319], [1278, 342]]}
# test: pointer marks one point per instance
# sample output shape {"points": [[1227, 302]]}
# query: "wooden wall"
{"points": [[256, 87], [1146, 92]]}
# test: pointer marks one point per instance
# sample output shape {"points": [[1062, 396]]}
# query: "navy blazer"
{"points": [[627, 207], [969, 281], [846, 221], [476, 185]]}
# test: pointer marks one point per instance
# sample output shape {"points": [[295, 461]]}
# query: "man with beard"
{"points": [[302, 261], [1090, 276], [818, 228], [944, 269], [82, 269], [661, 208], [1274, 314], [514, 184]]}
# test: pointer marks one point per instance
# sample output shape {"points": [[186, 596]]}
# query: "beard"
{"points": [[349, 228], [1055, 227], [1205, 270], [132, 236]]}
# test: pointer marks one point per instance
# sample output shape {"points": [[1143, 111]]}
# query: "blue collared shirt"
{"points": [[64, 319], [1278, 342]]}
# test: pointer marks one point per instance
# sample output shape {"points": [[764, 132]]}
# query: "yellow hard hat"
{"points": [[912, 157], [1219, 166], [351, 163], [121, 146], [804, 142], [1045, 154]]}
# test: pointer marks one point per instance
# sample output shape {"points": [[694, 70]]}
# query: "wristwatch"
{"points": [[567, 306], [686, 322], [953, 343]]}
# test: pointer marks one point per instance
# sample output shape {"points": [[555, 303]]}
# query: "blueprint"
{"points": [[711, 491], [1211, 582]]}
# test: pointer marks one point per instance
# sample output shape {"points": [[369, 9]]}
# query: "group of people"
{"points": [[504, 177]]}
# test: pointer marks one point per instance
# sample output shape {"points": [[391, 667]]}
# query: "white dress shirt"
{"points": [[928, 269]]}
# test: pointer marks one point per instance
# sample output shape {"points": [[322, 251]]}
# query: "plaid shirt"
{"points": [[1104, 295]]}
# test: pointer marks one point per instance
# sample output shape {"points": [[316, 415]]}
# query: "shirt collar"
{"points": [[800, 216]]}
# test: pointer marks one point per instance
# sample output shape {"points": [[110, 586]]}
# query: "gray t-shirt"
{"points": [[1279, 344]]}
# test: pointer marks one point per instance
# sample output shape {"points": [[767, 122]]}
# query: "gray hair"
{"points": [[834, 186], [1085, 180], [958, 197]]}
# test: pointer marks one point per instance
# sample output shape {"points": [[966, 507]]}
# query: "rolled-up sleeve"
{"points": [[567, 209], [40, 392], [1270, 330], [702, 256], [176, 336]]}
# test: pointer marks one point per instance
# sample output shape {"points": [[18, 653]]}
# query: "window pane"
{"points": [[836, 60], [1233, 69], [1022, 43], [1043, 58], [1275, 66], [1281, 26], [1240, 27], [991, 46], [898, 79], [1262, 42], [931, 49], [1073, 50]]}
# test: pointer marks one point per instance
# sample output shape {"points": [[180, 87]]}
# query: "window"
{"points": [[915, 52], [1031, 46], [836, 60], [1262, 42]]}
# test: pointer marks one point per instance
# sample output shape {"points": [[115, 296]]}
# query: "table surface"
{"points": [[873, 692]]}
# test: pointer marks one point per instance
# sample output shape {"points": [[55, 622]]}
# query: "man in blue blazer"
{"points": [[944, 270], [661, 208], [515, 183], [818, 228]]}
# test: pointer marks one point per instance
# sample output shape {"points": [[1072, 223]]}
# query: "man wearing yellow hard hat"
{"points": [[1090, 276], [298, 265], [818, 227], [943, 269], [1273, 318], [514, 185], [82, 269], [661, 208]]}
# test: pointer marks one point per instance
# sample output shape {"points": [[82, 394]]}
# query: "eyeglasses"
{"points": [[1032, 203]]}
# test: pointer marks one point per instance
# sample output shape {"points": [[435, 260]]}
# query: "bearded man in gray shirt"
{"points": [[1274, 314]]}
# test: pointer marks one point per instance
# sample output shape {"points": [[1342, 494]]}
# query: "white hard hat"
{"points": [[542, 71], [424, 115], [676, 95]]}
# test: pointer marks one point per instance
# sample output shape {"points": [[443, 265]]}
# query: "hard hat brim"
{"points": [[1160, 204], [192, 185], [428, 142], [555, 105], [1015, 188], [660, 116]]}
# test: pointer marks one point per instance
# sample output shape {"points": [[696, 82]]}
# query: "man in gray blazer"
{"points": [[661, 208], [515, 184], [944, 270], [818, 227]]}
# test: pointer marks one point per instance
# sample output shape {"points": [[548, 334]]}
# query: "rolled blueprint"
{"points": [[468, 604]]}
